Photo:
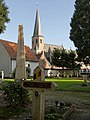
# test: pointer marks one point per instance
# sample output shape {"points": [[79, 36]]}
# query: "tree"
{"points": [[80, 30], [3, 16], [64, 58], [72, 59], [59, 58]]}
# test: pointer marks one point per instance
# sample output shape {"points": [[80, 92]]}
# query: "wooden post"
{"points": [[38, 96], [38, 86]]}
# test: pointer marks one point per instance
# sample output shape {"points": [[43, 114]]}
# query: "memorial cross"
{"points": [[38, 86]]}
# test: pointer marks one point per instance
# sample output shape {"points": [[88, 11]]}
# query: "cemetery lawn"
{"points": [[68, 90], [70, 84]]}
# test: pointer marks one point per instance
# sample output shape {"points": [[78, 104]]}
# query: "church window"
{"points": [[32, 41], [40, 40], [36, 40], [35, 48]]}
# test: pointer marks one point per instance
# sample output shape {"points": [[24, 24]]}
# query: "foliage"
{"points": [[64, 58], [13, 74], [3, 16], [52, 113], [59, 57], [15, 94], [28, 71], [80, 30], [53, 117], [56, 111], [12, 112]]}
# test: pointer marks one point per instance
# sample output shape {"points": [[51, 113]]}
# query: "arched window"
{"points": [[40, 40], [36, 40]]}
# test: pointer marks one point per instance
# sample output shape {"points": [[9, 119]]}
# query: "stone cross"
{"points": [[20, 61], [38, 86]]}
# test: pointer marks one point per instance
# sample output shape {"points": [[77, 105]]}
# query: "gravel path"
{"points": [[80, 101]]}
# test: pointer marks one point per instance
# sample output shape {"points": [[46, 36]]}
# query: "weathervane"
{"points": [[37, 4]]}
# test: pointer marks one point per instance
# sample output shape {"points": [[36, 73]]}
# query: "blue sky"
{"points": [[55, 16]]}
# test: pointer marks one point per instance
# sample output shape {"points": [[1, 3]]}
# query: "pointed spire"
{"points": [[37, 27]]}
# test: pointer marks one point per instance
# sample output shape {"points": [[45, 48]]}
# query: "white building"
{"points": [[8, 53]]}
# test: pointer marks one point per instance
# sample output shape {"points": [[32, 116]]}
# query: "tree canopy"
{"points": [[80, 30], [64, 58], [3, 16]]}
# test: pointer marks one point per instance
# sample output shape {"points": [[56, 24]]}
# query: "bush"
{"points": [[15, 94], [28, 71]]}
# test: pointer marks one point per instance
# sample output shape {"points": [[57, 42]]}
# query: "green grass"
{"points": [[63, 84], [69, 84]]}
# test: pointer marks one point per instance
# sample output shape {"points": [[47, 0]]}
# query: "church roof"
{"points": [[11, 48], [39, 55], [37, 27], [52, 47]]}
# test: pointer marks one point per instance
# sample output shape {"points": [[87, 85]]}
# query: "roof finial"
{"points": [[37, 4]]}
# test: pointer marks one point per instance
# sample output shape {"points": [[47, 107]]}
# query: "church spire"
{"points": [[37, 38], [37, 27]]}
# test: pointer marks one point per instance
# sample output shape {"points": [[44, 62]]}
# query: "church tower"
{"points": [[37, 38]]}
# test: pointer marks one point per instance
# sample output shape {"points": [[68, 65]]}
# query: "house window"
{"points": [[29, 65]]}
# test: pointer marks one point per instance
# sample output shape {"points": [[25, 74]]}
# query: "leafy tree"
{"points": [[3, 16], [58, 58], [72, 59], [64, 58], [80, 30]]}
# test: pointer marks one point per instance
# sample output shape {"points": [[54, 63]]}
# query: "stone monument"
{"points": [[20, 61]]}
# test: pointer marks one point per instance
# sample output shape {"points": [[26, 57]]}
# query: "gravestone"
{"points": [[85, 73], [20, 61], [38, 86], [2, 73]]}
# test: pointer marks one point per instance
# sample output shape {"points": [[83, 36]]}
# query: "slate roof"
{"points": [[11, 48], [37, 27], [52, 47]]}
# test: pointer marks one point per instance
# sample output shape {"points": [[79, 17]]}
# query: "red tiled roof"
{"points": [[11, 48]]}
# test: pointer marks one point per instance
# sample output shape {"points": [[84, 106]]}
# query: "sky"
{"points": [[55, 17]]}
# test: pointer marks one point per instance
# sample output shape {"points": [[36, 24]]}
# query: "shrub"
{"points": [[14, 94], [28, 71]]}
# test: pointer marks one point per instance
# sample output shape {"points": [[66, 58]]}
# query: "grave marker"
{"points": [[2, 73], [38, 86]]}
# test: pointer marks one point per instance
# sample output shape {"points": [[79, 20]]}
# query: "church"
{"points": [[39, 48], [39, 54]]}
